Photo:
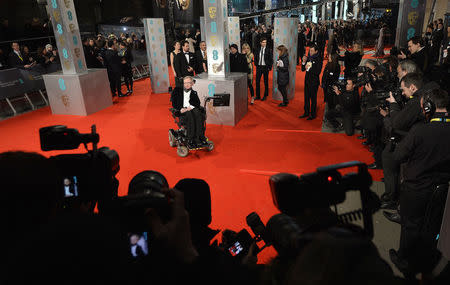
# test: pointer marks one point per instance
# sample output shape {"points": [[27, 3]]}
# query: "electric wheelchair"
{"points": [[178, 138]]}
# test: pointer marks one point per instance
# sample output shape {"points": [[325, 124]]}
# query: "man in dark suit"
{"points": [[419, 54], [263, 62], [186, 102], [112, 62], [16, 59], [200, 59], [312, 64], [184, 63]]}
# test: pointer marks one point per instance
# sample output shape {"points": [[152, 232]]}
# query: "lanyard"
{"points": [[446, 120]]}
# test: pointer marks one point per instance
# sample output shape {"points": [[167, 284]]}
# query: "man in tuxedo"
{"points": [[69, 188], [16, 59], [312, 64], [184, 63], [112, 62], [186, 102], [200, 59], [263, 62]]}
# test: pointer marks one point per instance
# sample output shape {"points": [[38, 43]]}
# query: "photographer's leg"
{"points": [[347, 121], [306, 100], [313, 95]]}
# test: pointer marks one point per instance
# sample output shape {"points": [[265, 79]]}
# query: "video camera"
{"points": [[324, 188], [84, 177]]}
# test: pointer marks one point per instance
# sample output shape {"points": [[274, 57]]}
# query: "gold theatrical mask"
{"points": [[61, 40], [72, 28], [217, 67], [65, 100], [212, 12], [67, 3], [213, 40], [77, 52], [67, 64], [56, 15], [412, 18]]}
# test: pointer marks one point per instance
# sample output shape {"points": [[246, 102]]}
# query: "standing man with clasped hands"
{"points": [[312, 64], [263, 62], [184, 62]]}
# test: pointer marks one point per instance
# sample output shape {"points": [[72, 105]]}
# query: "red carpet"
{"points": [[237, 170]]}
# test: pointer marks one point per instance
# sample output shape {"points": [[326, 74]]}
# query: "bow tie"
{"points": [[186, 53]]}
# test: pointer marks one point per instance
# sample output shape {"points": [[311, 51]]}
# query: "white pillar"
{"points": [[336, 10], [314, 13], [345, 9]]}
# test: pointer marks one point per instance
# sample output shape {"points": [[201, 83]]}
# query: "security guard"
{"points": [[426, 155]]}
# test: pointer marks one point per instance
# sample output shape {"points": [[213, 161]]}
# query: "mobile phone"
{"points": [[70, 186], [138, 242], [241, 245]]}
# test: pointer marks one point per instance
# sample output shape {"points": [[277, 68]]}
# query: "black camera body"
{"points": [[326, 187], [86, 177]]}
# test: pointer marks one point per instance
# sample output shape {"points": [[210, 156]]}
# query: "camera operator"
{"points": [[348, 107], [398, 122], [426, 155], [406, 66]]}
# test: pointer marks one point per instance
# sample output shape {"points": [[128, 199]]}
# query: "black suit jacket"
{"points": [[177, 98], [268, 57], [181, 65], [199, 62], [421, 59], [112, 61], [312, 75], [15, 61]]}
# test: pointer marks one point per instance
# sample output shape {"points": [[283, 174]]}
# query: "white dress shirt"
{"points": [[187, 96], [261, 56]]}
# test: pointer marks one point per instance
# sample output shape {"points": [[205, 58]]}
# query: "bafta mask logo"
{"points": [[217, 67], [161, 3], [56, 16], [77, 52], [212, 12], [72, 28], [67, 3], [67, 64], [61, 41], [66, 101], [412, 18], [213, 40]]}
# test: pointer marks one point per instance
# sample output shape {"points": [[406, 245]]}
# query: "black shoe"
{"points": [[191, 145], [373, 166], [257, 98], [311, 118], [282, 105], [303, 116], [366, 143], [264, 98], [393, 217], [361, 137], [388, 205], [122, 95], [401, 264]]}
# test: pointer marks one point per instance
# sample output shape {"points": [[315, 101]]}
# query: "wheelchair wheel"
{"points": [[172, 140], [210, 145], [182, 151]]}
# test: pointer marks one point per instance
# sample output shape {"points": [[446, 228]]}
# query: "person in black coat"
{"points": [[329, 77], [238, 62], [201, 59], [352, 59], [112, 62], [283, 73], [187, 103], [418, 54], [184, 63], [301, 45], [17, 59], [126, 59], [313, 67], [263, 62]]}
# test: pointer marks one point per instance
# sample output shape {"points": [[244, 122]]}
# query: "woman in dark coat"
{"points": [[329, 77], [352, 59], [283, 73]]}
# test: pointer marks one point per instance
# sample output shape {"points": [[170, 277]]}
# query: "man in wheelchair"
{"points": [[186, 105]]}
